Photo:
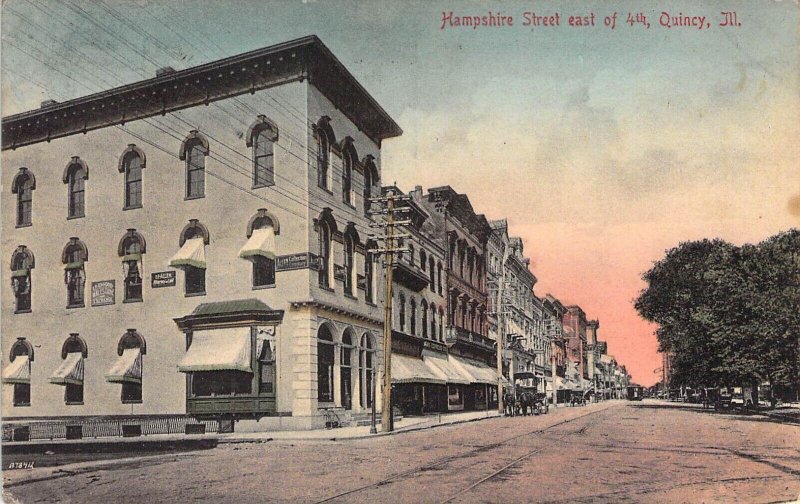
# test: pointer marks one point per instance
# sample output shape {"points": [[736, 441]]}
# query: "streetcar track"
{"points": [[432, 466]]}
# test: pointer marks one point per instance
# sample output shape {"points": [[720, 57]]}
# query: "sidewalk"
{"points": [[406, 424]]}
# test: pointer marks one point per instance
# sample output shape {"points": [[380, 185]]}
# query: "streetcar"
{"points": [[635, 393]]}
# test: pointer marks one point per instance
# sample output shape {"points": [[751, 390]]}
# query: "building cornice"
{"points": [[296, 60]]}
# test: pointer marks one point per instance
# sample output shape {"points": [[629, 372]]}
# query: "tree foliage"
{"points": [[728, 315]]}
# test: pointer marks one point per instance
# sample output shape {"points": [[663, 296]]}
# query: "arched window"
{"points": [[22, 262], [23, 185], [260, 248], [369, 272], [261, 136], [366, 375], [194, 151], [370, 177], [439, 277], [441, 324], [127, 370], [131, 248], [461, 252], [433, 321], [325, 255], [191, 257], [324, 137], [18, 371], [73, 257], [411, 253], [413, 316], [423, 306], [70, 373], [131, 163], [75, 175], [432, 273], [349, 259], [423, 259], [349, 160], [325, 358], [346, 368], [402, 312]]}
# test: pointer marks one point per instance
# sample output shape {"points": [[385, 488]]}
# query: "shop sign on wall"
{"points": [[103, 293]]}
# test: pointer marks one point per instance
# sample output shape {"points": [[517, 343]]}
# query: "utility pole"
{"points": [[389, 249], [501, 334]]}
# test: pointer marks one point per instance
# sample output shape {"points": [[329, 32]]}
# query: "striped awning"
{"points": [[261, 243], [70, 371], [193, 253], [127, 368], [407, 369], [445, 369], [218, 350], [477, 371], [18, 371]]}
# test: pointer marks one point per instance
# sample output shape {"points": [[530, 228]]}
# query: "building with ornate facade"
{"points": [[197, 243]]}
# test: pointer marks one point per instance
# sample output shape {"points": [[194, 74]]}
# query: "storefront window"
{"points": [[221, 383]]}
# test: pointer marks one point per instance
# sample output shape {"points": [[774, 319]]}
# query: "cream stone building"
{"points": [[196, 243]]}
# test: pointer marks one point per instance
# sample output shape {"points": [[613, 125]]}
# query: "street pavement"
{"points": [[614, 451]]}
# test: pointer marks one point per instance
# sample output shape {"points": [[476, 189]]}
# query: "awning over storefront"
{"points": [[193, 253], [218, 350], [127, 368], [261, 243], [478, 372], [18, 371], [410, 370], [444, 368], [70, 371]]}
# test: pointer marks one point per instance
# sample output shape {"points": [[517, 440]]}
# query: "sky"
{"points": [[602, 147]]}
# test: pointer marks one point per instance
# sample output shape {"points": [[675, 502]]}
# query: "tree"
{"points": [[728, 315]]}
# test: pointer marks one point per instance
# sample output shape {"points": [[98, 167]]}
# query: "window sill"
{"points": [[132, 401], [263, 287], [82, 305], [349, 204], [71, 217], [22, 405], [350, 296], [24, 225], [261, 186], [194, 294], [137, 300], [370, 303], [326, 288], [200, 196], [132, 207], [68, 403], [23, 311], [330, 192]]}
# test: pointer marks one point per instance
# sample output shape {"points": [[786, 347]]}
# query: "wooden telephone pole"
{"points": [[390, 238]]}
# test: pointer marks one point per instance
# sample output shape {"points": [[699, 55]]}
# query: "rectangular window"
{"points": [[75, 283], [263, 271], [76, 197], [22, 394], [133, 198], [133, 283], [131, 393], [263, 159], [221, 383], [267, 378], [73, 394], [195, 280], [25, 206], [195, 174]]}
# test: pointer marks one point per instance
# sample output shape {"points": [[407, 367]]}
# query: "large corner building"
{"points": [[196, 243]]}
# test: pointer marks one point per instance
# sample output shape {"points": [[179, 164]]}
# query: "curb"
{"points": [[107, 446]]}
